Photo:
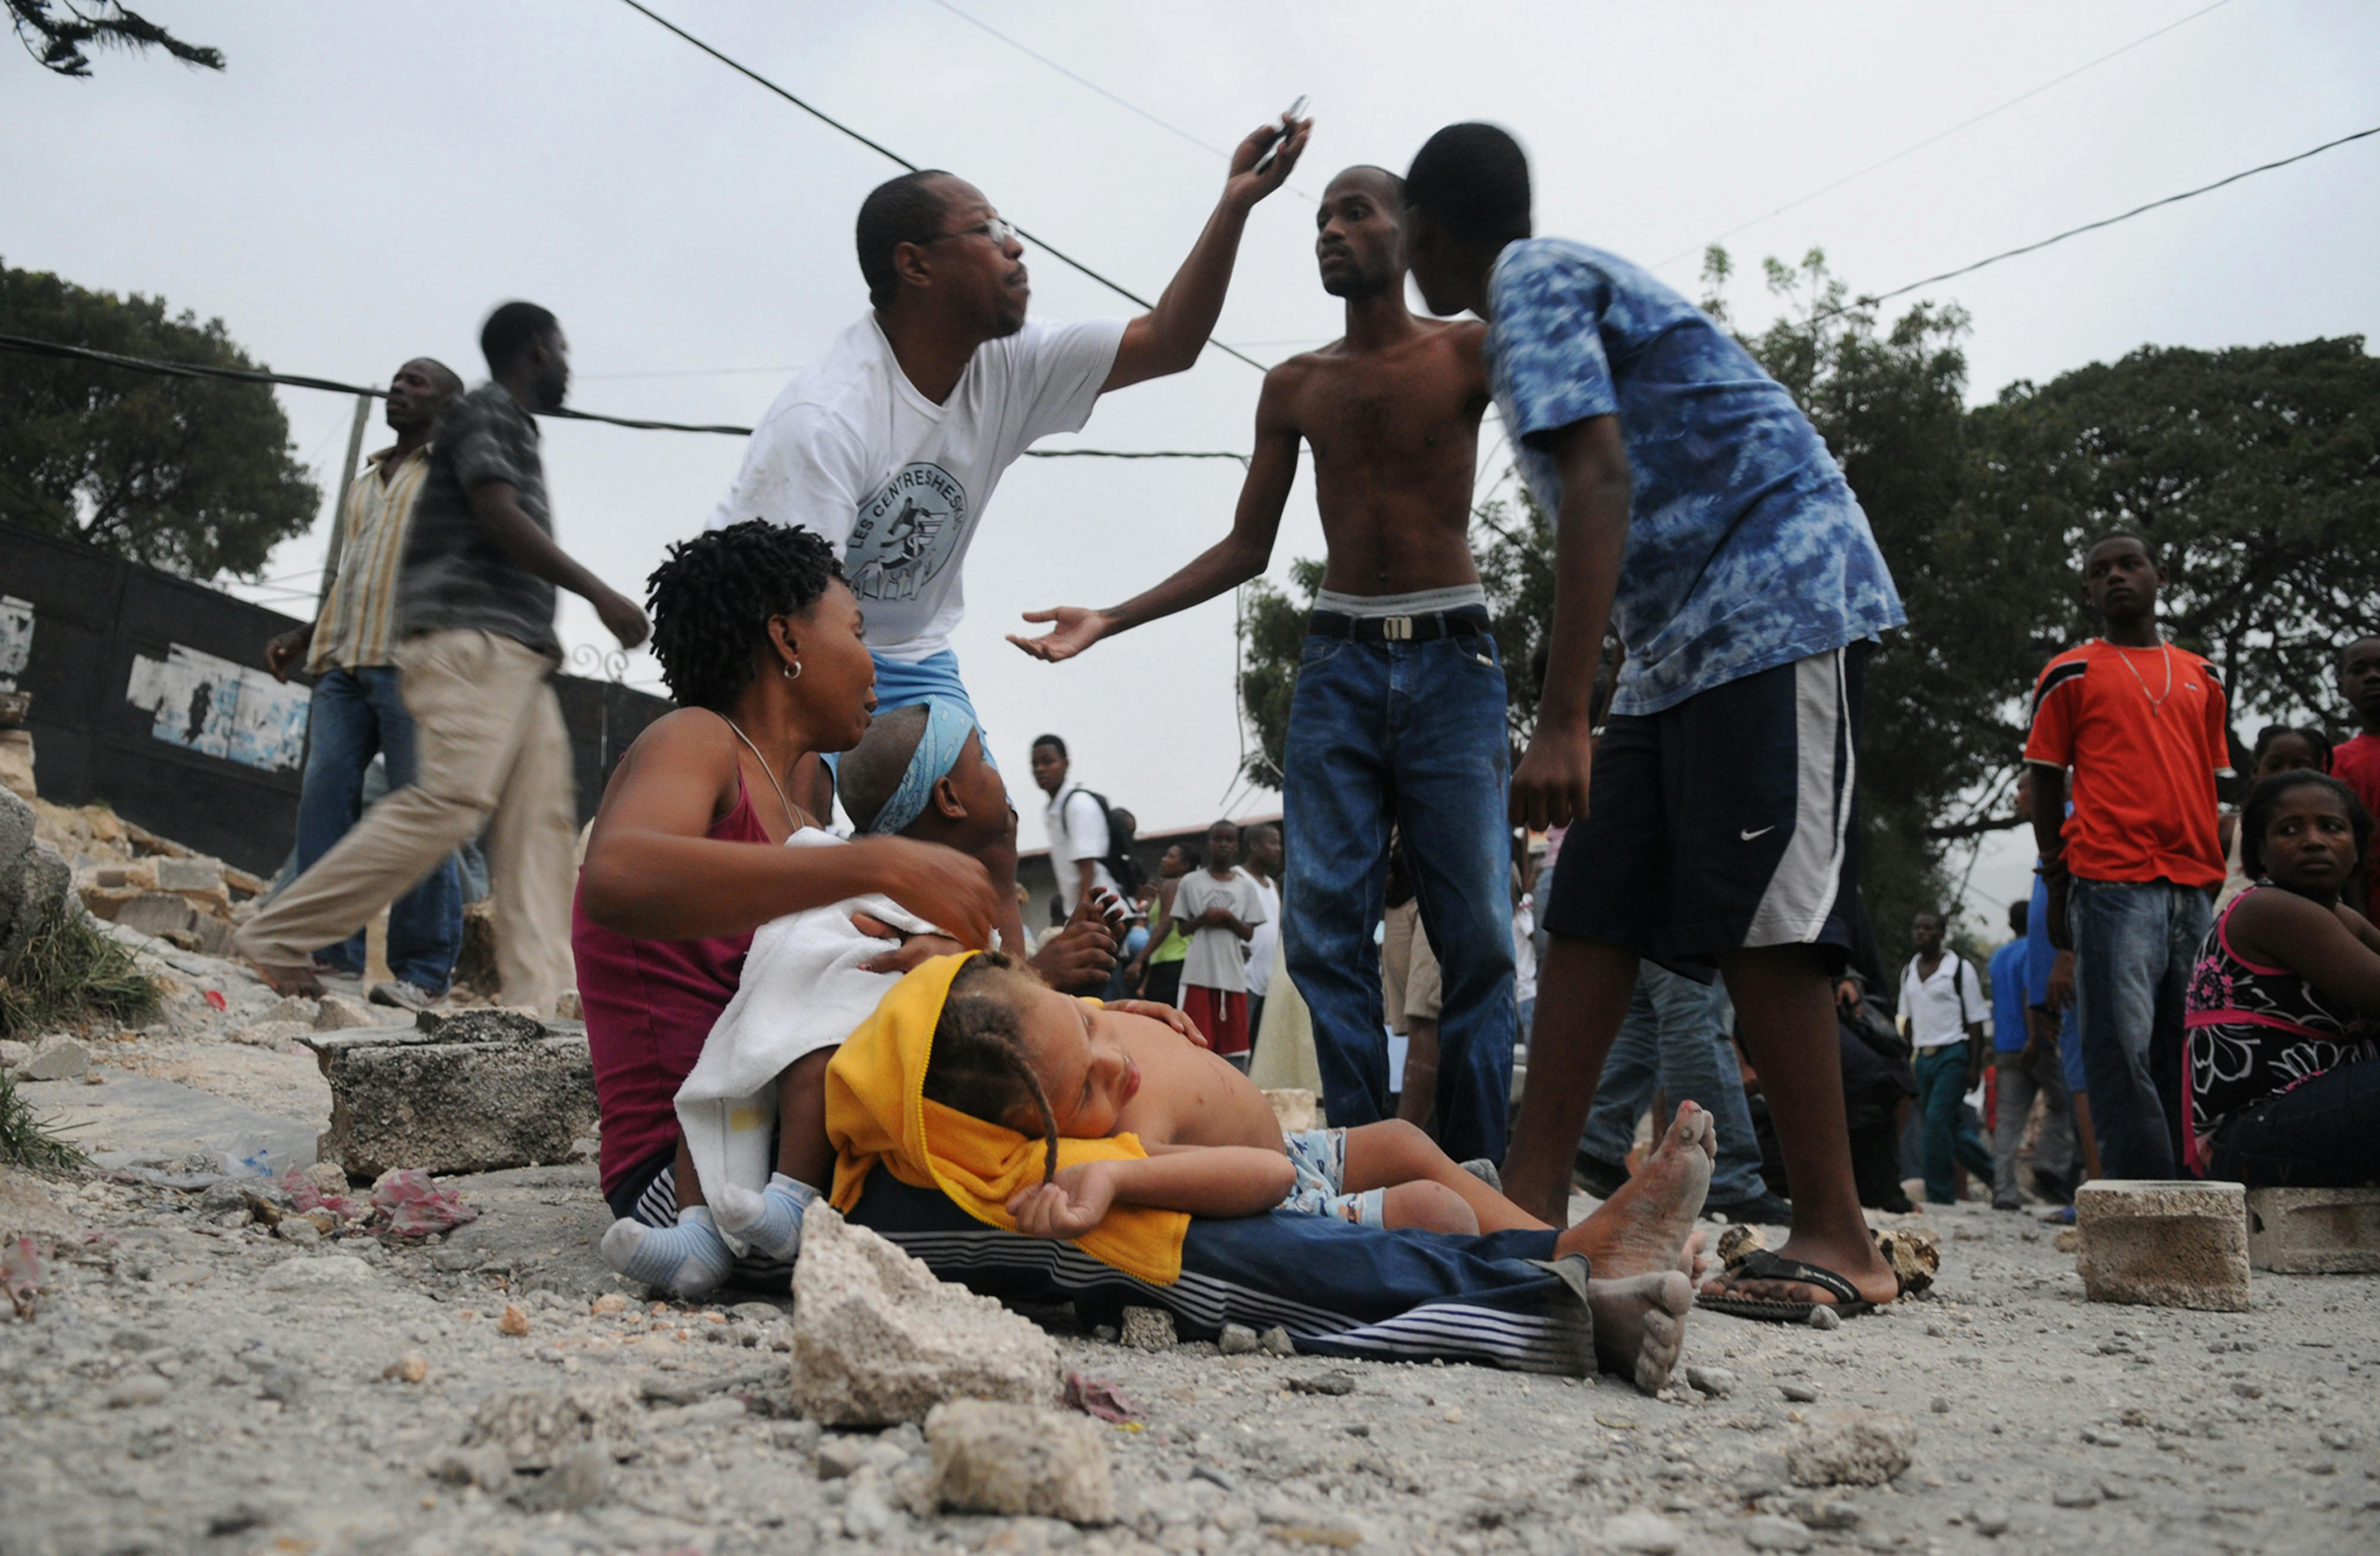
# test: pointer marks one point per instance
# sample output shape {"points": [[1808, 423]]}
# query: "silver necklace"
{"points": [[2157, 704], [791, 820]]}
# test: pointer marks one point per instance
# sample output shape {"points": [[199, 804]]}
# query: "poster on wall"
{"points": [[16, 639], [219, 709]]}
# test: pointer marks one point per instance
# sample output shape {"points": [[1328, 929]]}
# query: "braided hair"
{"points": [[711, 601], [979, 1065]]}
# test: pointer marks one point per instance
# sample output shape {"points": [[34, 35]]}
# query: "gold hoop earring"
{"points": [[792, 672]]}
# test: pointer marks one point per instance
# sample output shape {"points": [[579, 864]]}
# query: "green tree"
{"points": [[56, 33], [194, 475], [2253, 472]]}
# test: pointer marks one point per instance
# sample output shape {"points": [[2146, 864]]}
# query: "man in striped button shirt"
{"points": [[357, 709]]}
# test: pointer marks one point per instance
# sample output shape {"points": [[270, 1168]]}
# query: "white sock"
{"points": [[778, 1232], [687, 1260]]}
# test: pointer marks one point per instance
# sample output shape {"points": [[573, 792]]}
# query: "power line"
{"points": [[31, 347], [1126, 104], [1941, 135], [882, 150], [2107, 222]]}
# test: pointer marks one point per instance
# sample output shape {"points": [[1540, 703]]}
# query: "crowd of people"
{"points": [[871, 996]]}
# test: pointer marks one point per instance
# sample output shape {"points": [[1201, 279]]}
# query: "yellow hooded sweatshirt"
{"points": [[877, 1113]]}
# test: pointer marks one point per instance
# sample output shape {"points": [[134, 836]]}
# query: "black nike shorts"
{"points": [[1729, 820]]}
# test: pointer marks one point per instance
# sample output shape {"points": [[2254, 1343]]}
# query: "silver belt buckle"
{"points": [[1397, 629]]}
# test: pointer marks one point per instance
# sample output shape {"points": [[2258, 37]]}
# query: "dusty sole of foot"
{"points": [[1640, 1325], [1647, 1227]]}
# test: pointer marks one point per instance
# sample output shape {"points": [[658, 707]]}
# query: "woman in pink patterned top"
{"points": [[2281, 1005]]}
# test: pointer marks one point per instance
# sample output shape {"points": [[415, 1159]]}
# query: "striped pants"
{"points": [[1339, 1289]]}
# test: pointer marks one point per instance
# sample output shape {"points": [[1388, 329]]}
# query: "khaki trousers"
{"points": [[494, 756]]}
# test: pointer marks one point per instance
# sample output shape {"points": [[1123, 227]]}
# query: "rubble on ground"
{"points": [[464, 1091], [231, 1346], [878, 1339]]}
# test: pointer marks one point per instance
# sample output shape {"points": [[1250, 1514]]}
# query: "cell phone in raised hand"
{"points": [[1295, 110]]}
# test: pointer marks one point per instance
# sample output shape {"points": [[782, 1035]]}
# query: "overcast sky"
{"points": [[365, 182]]}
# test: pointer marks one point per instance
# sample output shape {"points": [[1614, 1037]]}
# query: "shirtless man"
{"points": [[1399, 712]]}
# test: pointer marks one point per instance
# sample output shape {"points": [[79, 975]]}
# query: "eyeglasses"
{"points": [[997, 230]]}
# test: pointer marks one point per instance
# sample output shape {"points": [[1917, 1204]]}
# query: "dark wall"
{"points": [[94, 617]]}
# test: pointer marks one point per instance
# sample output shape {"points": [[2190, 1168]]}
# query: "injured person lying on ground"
{"points": [[1615, 1291]]}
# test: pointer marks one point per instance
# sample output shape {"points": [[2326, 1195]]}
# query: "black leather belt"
{"points": [[1423, 626]]}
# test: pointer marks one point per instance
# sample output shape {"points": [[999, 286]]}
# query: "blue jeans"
{"points": [[1411, 733], [1675, 1040], [1950, 1141], [354, 715], [2321, 1133], [2134, 946]]}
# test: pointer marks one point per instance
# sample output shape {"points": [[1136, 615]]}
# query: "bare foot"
{"points": [[299, 981], [1647, 1227], [1859, 1263], [1640, 1323]]}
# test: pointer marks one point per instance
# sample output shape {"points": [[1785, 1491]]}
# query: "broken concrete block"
{"points": [[2164, 1244], [878, 1340], [1850, 1448], [2314, 1231], [486, 1024], [337, 1012], [1148, 1329], [199, 878], [1020, 1462], [449, 1095], [157, 913], [60, 1059]]}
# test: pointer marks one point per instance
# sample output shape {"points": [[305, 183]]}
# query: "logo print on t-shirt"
{"points": [[905, 535]]}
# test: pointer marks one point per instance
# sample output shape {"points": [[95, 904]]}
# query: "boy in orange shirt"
{"points": [[2142, 725]]}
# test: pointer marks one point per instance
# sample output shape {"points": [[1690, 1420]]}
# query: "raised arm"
{"points": [[1168, 338], [651, 871], [1230, 562], [1590, 531], [496, 505]]}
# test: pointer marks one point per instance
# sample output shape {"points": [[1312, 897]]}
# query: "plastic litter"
{"points": [[249, 1155], [306, 1195], [407, 1202]]}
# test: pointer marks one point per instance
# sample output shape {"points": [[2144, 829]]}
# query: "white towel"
{"points": [[802, 991]]}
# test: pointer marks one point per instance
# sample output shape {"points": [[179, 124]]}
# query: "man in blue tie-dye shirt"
{"points": [[1698, 513]]}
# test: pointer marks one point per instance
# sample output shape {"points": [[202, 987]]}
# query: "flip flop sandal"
{"points": [[1766, 1266]]}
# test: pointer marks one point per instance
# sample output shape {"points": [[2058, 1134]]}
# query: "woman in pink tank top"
{"points": [[760, 642]]}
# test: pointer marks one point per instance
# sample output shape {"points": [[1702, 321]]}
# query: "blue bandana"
{"points": [[947, 727]]}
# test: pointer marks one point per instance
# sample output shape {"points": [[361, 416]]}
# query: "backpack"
{"points": [[1123, 863]]}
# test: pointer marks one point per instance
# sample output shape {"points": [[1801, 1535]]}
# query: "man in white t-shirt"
{"points": [[892, 445], [1077, 824], [1948, 1016], [1261, 848]]}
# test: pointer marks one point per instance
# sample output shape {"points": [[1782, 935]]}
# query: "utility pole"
{"points": [[364, 404]]}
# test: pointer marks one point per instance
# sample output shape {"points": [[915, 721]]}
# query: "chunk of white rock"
{"points": [[1020, 1462], [878, 1339]]}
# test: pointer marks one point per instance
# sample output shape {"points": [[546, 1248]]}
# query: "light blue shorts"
{"points": [[900, 684], [1321, 1158]]}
